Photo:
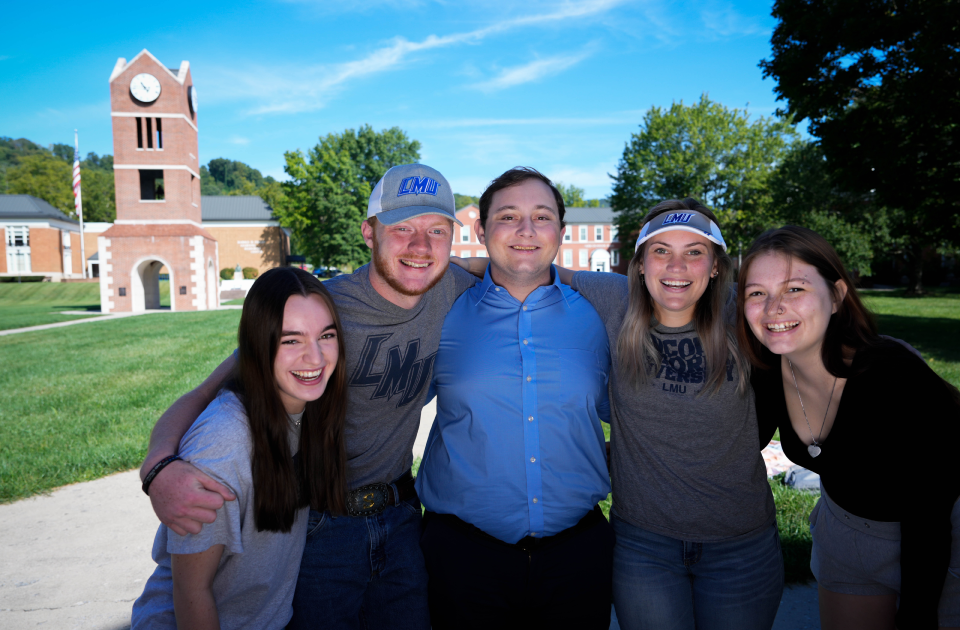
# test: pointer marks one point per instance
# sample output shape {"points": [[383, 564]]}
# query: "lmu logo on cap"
{"points": [[418, 186], [678, 217]]}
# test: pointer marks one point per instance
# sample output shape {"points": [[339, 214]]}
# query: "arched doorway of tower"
{"points": [[600, 260], [145, 284], [213, 286]]}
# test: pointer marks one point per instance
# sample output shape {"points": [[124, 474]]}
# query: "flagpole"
{"points": [[79, 201]]}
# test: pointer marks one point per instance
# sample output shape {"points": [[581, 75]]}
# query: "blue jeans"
{"points": [[663, 583], [363, 572]]}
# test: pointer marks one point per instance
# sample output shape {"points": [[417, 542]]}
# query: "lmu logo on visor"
{"points": [[418, 186], [678, 217]]}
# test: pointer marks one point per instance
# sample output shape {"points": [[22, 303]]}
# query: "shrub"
{"points": [[250, 273], [226, 273]]}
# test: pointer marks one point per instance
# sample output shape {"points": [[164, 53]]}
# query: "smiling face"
{"points": [[522, 235], [308, 351], [677, 267], [409, 258], [788, 304]]}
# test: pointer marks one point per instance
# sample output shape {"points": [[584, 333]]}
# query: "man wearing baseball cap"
{"points": [[366, 564]]}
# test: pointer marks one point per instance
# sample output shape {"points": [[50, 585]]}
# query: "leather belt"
{"points": [[374, 498]]}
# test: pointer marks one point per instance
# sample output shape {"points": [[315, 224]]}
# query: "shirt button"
{"points": [[529, 378], [524, 308], [496, 288], [533, 533], [530, 419], [533, 459], [534, 499]]}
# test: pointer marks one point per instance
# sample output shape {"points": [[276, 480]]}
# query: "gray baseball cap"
{"points": [[409, 191], [686, 220]]}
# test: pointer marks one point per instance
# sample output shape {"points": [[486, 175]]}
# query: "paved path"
{"points": [[100, 318]]}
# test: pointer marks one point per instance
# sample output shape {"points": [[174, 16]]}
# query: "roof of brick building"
{"points": [[588, 215], [235, 208], [29, 207]]}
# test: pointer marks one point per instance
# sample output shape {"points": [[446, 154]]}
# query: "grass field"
{"points": [[36, 303]]}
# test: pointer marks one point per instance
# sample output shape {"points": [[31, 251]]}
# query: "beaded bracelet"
{"points": [[156, 471]]}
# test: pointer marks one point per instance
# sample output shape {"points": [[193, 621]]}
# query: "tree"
{"points": [[465, 200], [326, 197], [573, 197], [43, 176], [705, 151], [803, 192], [879, 82]]}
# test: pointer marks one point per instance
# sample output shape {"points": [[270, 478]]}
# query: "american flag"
{"points": [[77, 203]]}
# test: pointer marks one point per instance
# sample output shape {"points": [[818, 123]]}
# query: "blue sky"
{"points": [[483, 85]]}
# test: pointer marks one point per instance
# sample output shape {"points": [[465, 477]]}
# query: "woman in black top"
{"points": [[848, 401]]}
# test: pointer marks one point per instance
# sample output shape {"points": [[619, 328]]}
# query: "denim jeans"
{"points": [[662, 583], [363, 572]]}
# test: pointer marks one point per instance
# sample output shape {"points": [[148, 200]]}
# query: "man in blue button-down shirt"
{"points": [[515, 463]]}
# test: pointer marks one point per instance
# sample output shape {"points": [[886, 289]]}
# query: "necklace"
{"points": [[813, 449]]}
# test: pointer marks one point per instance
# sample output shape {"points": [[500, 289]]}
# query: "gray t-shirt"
{"points": [[683, 465], [254, 583], [390, 355]]}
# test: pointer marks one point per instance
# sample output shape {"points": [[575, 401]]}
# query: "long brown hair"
{"points": [[316, 477], [851, 328], [638, 357]]}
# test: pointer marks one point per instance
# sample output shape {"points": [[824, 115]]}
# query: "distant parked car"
{"points": [[326, 272]]}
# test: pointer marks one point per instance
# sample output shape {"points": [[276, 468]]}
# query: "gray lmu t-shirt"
{"points": [[684, 464], [390, 355]]}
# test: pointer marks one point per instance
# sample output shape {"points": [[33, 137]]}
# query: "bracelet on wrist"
{"points": [[163, 463]]}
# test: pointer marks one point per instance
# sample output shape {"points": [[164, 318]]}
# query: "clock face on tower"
{"points": [[145, 88]]}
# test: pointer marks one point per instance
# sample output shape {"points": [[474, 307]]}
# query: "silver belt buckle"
{"points": [[368, 500]]}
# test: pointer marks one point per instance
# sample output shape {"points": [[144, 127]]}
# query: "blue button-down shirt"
{"points": [[517, 448]]}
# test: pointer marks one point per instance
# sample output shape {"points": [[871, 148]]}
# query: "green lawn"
{"points": [[36, 303], [83, 399]]}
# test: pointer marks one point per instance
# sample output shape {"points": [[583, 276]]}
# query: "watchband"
{"points": [[156, 471]]}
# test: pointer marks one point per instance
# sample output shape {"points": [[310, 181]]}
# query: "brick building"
{"points": [[38, 240], [247, 232], [154, 112], [589, 244]]}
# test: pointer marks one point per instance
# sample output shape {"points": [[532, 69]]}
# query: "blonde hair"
{"points": [[638, 357]]}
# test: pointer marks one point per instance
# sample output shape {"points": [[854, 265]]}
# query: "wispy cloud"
{"points": [[724, 21], [533, 71], [297, 89], [619, 118]]}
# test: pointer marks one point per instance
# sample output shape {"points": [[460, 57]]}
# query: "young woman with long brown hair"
{"points": [[867, 414], [274, 436]]}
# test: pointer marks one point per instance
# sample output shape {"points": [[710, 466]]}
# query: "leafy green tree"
{"points": [[99, 202], [326, 197], [573, 197], [43, 176], [62, 152], [803, 192], [880, 85], [707, 151], [465, 200]]}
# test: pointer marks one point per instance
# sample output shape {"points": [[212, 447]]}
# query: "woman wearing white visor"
{"points": [[697, 543]]}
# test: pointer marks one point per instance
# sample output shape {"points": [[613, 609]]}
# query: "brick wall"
{"points": [[46, 255], [75, 255], [90, 243], [240, 245], [3, 250]]}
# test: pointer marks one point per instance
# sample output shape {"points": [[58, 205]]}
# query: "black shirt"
{"points": [[886, 458]]}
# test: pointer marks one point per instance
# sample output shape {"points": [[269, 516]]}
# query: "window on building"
{"points": [[568, 236], [614, 257], [465, 234], [139, 133], [18, 236], [151, 185], [598, 233], [583, 233], [583, 258], [159, 135], [613, 233], [568, 258], [193, 191], [481, 253], [149, 134]]}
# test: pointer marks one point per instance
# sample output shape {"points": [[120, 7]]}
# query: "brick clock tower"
{"points": [[157, 175]]}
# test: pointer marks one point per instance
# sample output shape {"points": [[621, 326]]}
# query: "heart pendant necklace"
{"points": [[814, 449]]}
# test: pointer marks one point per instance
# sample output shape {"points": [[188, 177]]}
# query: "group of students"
{"points": [[702, 373]]}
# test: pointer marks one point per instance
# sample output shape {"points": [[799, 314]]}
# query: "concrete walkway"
{"points": [[100, 318]]}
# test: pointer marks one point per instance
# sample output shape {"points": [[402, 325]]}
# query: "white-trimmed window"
{"points": [[614, 257], [18, 248], [481, 253], [583, 258], [568, 236], [583, 233], [18, 236], [568, 258], [598, 233], [465, 234]]}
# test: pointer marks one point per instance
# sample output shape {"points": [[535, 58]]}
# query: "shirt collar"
{"points": [[539, 297]]}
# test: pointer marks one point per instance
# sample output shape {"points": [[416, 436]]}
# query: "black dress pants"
{"points": [[477, 581]]}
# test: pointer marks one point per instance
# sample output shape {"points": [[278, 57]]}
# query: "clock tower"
{"points": [[157, 174]]}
